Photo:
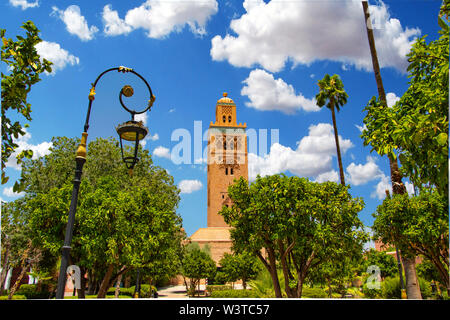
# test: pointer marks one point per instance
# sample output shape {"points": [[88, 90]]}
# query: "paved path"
{"points": [[180, 291], [172, 292]]}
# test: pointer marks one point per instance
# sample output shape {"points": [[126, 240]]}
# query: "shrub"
{"points": [[212, 288], [234, 294], [313, 293], [145, 291], [391, 288], [371, 293], [15, 297], [33, 291]]}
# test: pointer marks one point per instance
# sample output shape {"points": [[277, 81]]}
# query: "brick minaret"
{"points": [[227, 158]]}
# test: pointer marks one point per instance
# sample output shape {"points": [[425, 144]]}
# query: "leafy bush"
{"points": [[15, 297], [391, 288], [313, 293], [33, 291], [212, 288], [235, 294], [145, 291], [371, 293]]}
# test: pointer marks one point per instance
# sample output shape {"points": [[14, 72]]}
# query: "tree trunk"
{"points": [[5, 267], [396, 179], [290, 293], [105, 283], [338, 149], [412, 285], [117, 291], [16, 285], [272, 268], [273, 273], [82, 290]]}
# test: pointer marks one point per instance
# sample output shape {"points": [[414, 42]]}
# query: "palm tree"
{"points": [[333, 95]]}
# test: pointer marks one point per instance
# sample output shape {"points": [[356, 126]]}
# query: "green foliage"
{"points": [[391, 289], [303, 223], [34, 291], [197, 265], [308, 292], [332, 93], [235, 294], [25, 67], [15, 297], [417, 126], [427, 270], [387, 263], [121, 220], [211, 288], [239, 266], [418, 225]]}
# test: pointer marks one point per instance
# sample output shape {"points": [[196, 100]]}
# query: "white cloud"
{"points": [[391, 99], [54, 53], [385, 184], [362, 173], [75, 23], [113, 25], [267, 93], [160, 18], [24, 4], [312, 157], [11, 194], [270, 34], [189, 186], [23, 143], [328, 176], [361, 128], [161, 152]]}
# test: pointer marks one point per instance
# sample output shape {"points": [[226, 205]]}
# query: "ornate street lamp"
{"points": [[131, 131]]}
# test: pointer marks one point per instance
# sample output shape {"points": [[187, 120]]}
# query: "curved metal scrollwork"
{"points": [[126, 91]]}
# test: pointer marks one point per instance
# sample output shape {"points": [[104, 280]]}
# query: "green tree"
{"points": [[122, 222], [239, 266], [419, 226], [398, 187], [387, 263], [298, 225], [25, 67], [333, 95], [197, 265]]}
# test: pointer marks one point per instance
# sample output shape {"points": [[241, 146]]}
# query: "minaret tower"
{"points": [[227, 158]]}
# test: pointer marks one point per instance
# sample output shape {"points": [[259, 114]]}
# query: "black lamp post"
{"points": [[129, 131]]}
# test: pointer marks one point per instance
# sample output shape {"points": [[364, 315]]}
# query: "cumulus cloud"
{"points": [[391, 99], [311, 158], [53, 52], [24, 143], [113, 25], [24, 4], [385, 184], [189, 186], [160, 18], [11, 194], [161, 152], [76, 24], [359, 174], [267, 93], [270, 34], [332, 176]]}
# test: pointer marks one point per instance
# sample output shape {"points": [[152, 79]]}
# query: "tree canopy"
{"points": [[293, 221], [25, 67]]}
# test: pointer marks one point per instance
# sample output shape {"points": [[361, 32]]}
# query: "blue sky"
{"points": [[268, 56]]}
